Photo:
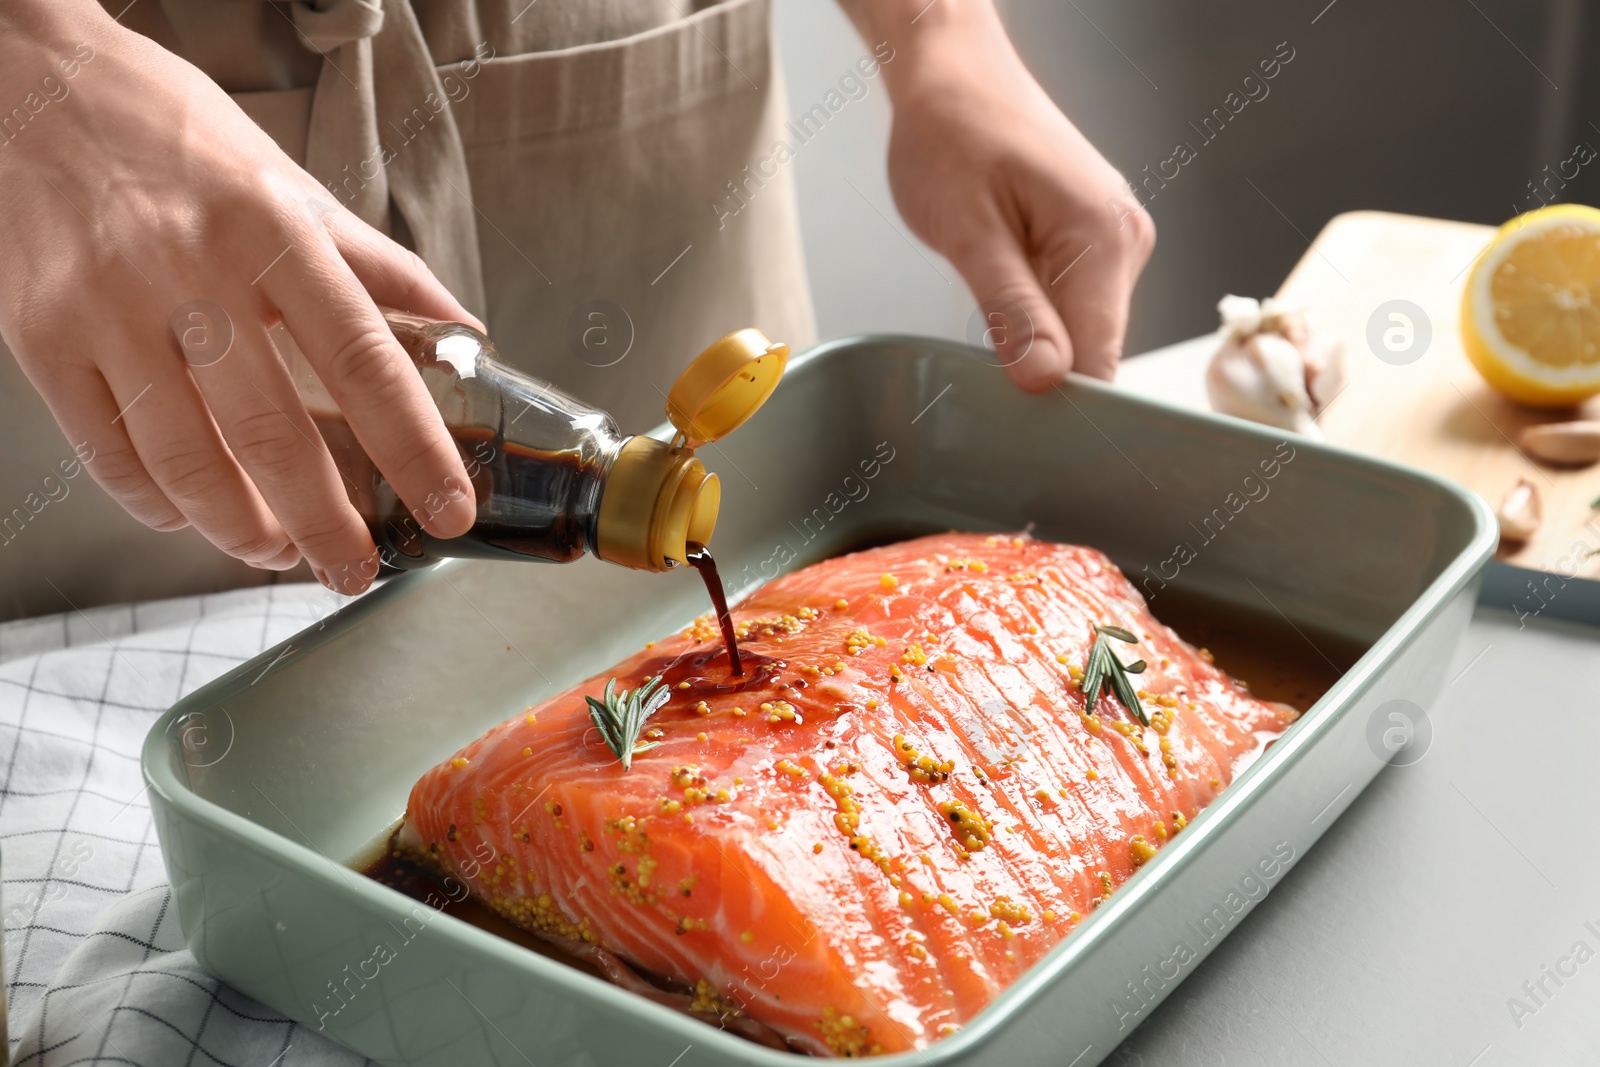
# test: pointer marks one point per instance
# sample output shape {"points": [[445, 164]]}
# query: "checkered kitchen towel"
{"points": [[95, 967]]}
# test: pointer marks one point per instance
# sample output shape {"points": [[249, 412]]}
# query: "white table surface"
{"points": [[1403, 936]]}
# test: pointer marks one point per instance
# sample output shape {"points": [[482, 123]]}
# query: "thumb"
{"points": [[1014, 318]]}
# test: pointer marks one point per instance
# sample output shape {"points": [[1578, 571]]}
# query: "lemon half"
{"points": [[1530, 315]]}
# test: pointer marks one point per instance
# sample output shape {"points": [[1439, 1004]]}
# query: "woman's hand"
{"points": [[136, 191], [989, 173]]}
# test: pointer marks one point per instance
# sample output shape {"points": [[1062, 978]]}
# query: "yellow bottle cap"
{"points": [[725, 385], [658, 497]]}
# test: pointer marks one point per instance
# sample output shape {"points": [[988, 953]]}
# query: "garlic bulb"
{"points": [[1271, 368]]}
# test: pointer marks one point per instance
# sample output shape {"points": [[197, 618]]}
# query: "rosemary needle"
{"points": [[619, 716], [1104, 666]]}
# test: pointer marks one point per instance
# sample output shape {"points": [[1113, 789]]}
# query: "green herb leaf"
{"points": [[1126, 693], [1118, 632], [1094, 672], [1103, 666], [620, 715]]}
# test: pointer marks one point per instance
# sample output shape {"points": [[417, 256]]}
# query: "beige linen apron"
{"points": [[564, 166]]}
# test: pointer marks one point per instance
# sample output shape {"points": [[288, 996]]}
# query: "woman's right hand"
{"points": [[148, 220]]}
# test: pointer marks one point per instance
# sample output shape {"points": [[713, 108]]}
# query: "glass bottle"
{"points": [[553, 477]]}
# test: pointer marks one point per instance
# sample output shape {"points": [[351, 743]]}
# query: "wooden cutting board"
{"points": [[1435, 412]]}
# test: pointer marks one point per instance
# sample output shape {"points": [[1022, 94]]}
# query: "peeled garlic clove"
{"points": [[1566, 444], [1520, 513]]}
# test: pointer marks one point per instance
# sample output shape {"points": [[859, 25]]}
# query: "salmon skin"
{"points": [[899, 809]]}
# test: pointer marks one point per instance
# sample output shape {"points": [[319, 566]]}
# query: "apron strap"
{"points": [[381, 129]]}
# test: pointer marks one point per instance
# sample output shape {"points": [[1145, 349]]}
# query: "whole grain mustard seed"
{"points": [[841, 603], [701, 736], [1143, 850], [818, 848], [527, 751], [747, 937], [888, 582], [458, 763]]}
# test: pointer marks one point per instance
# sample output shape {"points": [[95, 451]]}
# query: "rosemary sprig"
{"points": [[619, 716], [1104, 666]]}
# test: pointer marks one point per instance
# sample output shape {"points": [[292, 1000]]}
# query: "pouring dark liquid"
{"points": [[699, 557]]}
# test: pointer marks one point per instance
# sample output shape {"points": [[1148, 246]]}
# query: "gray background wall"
{"points": [[1434, 107]]}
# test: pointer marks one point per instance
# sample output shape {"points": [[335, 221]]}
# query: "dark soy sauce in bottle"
{"points": [[536, 457], [532, 504]]}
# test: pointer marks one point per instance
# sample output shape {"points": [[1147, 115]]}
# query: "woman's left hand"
{"points": [[989, 172]]}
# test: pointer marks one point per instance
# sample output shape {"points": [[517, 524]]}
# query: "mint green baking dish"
{"points": [[269, 781]]}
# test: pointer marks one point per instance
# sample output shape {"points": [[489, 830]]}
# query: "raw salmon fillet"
{"points": [[903, 810]]}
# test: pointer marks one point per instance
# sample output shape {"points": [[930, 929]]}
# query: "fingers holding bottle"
{"points": [[174, 438], [266, 426], [337, 326]]}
